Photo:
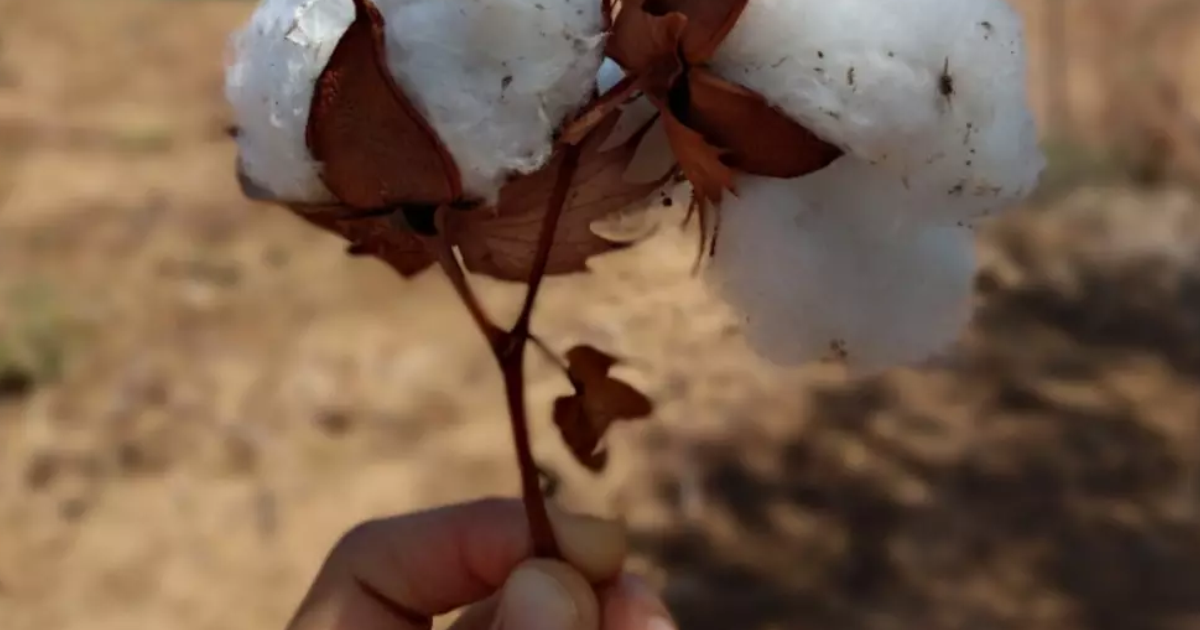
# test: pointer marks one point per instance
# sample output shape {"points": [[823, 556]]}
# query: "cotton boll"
{"points": [[817, 269], [495, 78], [275, 62], [931, 90]]}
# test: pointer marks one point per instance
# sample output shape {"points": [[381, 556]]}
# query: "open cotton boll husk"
{"points": [[493, 78], [818, 267], [931, 90]]}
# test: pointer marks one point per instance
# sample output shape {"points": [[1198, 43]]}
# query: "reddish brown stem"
{"points": [[512, 362], [511, 357], [509, 351], [509, 347], [440, 247], [558, 199]]}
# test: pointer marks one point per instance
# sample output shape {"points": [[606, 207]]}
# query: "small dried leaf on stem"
{"points": [[599, 400]]}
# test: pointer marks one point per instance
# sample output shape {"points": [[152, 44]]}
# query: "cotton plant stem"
{"points": [[512, 360], [508, 347]]}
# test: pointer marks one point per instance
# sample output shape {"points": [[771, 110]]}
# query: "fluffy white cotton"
{"points": [[931, 90], [275, 61], [872, 259], [494, 78], [819, 267]]}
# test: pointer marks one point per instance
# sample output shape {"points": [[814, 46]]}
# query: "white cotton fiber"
{"points": [[931, 90], [269, 82], [818, 269], [494, 78], [872, 259]]}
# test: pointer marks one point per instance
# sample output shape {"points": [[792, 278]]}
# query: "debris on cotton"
{"points": [[493, 78]]}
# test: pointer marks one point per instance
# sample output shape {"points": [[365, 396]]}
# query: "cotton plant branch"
{"points": [[836, 164]]}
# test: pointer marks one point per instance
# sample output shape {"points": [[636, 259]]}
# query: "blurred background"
{"points": [[198, 394]]}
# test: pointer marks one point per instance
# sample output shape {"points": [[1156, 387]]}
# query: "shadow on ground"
{"points": [[1049, 481]]}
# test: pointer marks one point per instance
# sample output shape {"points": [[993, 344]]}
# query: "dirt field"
{"points": [[198, 395]]}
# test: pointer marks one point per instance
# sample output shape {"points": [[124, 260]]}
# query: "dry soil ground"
{"points": [[198, 395]]}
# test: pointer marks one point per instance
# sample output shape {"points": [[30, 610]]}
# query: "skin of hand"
{"points": [[399, 573]]}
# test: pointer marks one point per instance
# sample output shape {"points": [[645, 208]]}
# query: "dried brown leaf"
{"points": [[708, 23], [756, 138], [699, 159], [599, 400], [639, 40], [502, 244], [379, 234], [630, 225], [376, 148], [715, 127]]}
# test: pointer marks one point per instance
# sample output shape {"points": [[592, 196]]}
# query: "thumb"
{"points": [[539, 595]]}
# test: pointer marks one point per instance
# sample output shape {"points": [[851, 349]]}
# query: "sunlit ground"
{"points": [[197, 394]]}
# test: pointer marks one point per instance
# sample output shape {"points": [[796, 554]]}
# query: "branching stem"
{"points": [[512, 359], [440, 248], [508, 347], [548, 353]]}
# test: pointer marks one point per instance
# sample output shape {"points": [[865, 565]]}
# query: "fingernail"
{"points": [[660, 623], [642, 602], [535, 600], [582, 525], [595, 546]]}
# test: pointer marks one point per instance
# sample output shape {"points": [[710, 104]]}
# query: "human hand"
{"points": [[399, 573]]}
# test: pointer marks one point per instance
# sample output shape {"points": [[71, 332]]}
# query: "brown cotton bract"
{"points": [[715, 128], [376, 150]]}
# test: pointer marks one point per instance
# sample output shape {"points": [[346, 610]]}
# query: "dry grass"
{"points": [[197, 395]]}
